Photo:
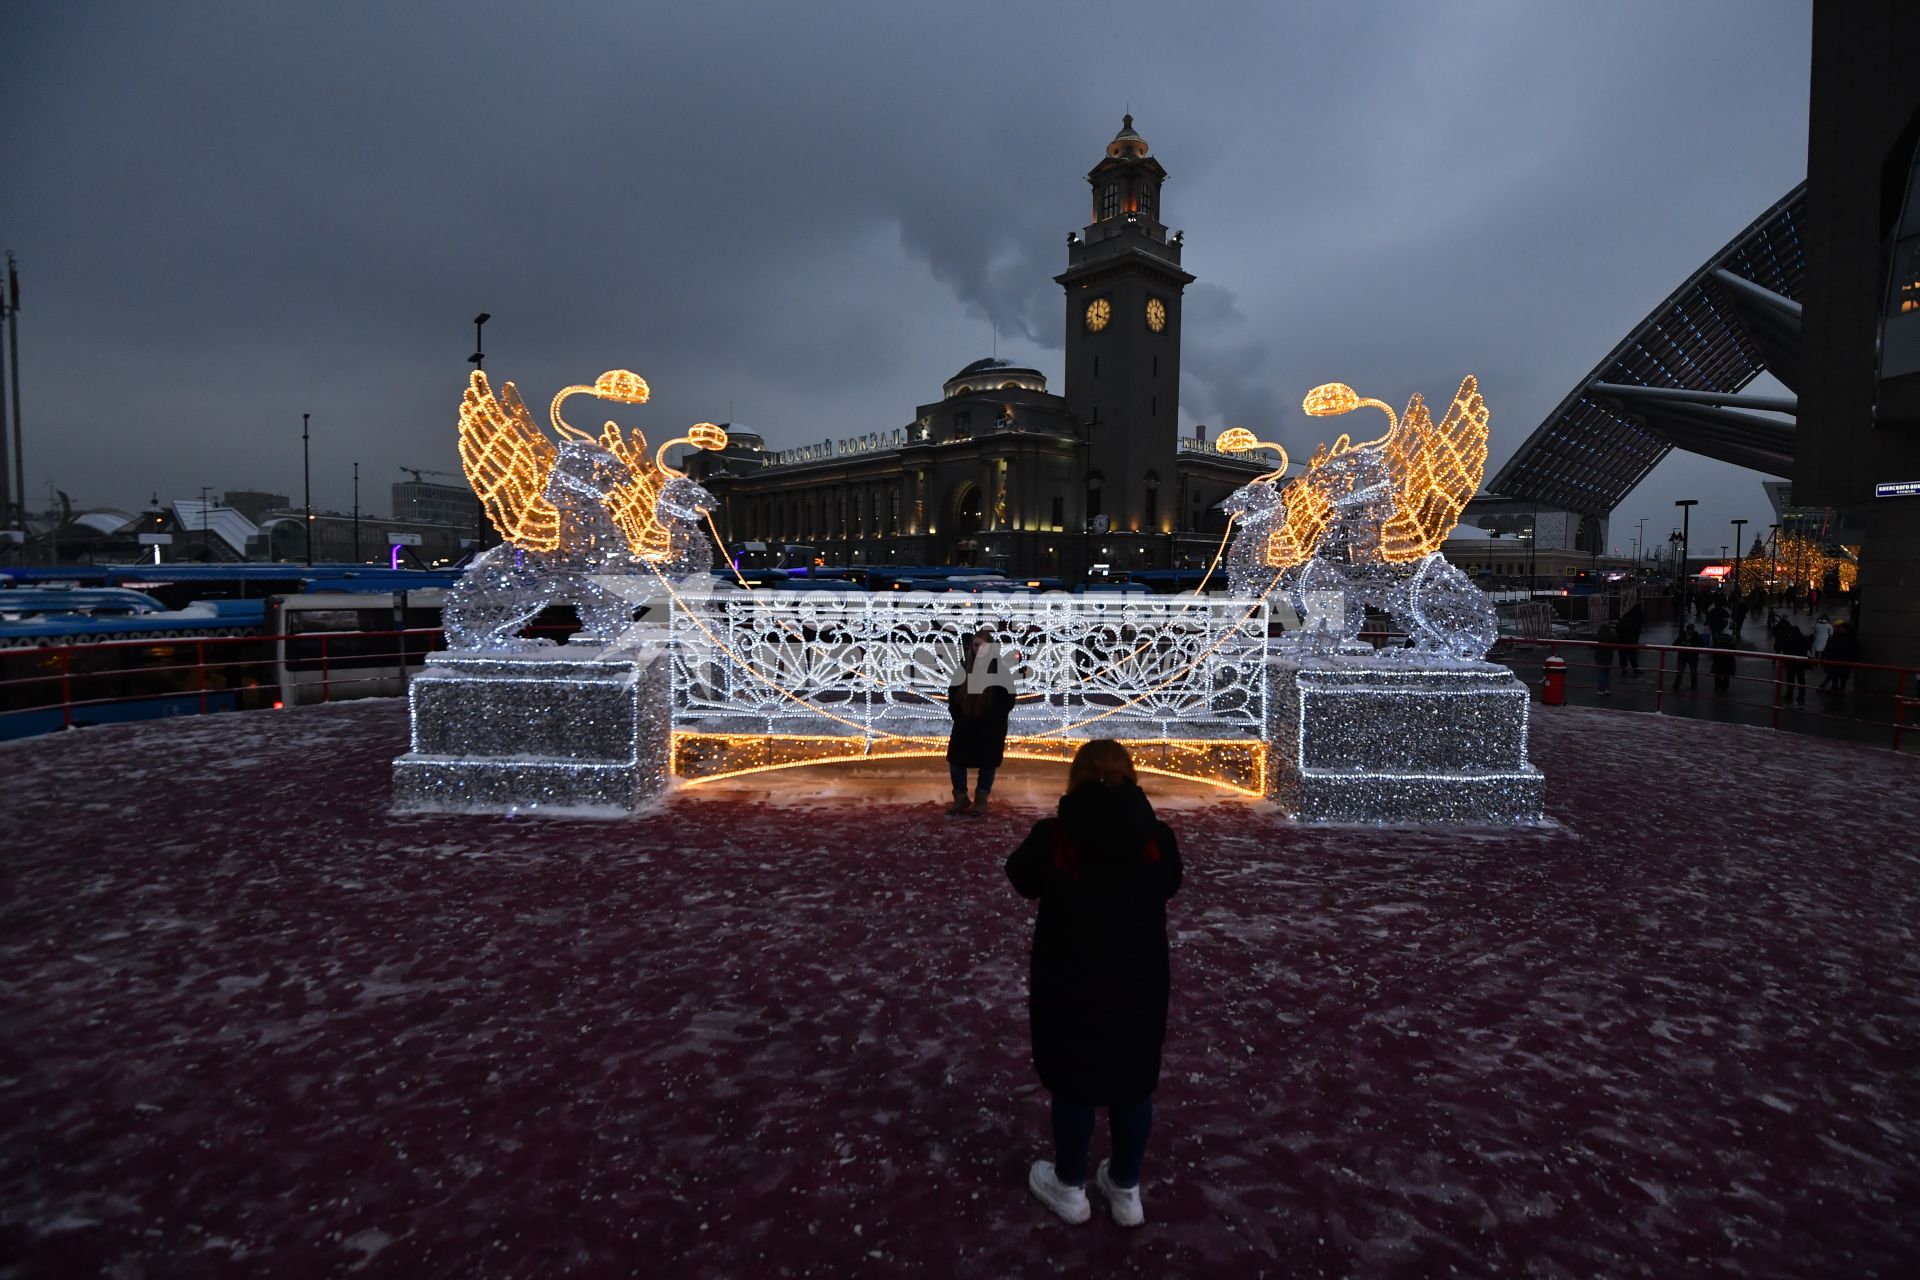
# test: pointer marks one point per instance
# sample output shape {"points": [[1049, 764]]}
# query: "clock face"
{"points": [[1156, 314], [1099, 311]]}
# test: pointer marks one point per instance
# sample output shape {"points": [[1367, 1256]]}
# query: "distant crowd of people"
{"points": [[1717, 621]]}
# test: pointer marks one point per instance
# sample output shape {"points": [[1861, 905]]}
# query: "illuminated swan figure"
{"points": [[1364, 523], [569, 514]]}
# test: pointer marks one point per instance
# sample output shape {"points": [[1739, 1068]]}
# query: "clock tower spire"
{"points": [[1124, 284]]}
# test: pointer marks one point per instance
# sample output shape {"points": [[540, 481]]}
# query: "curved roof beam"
{"points": [[1707, 336]]}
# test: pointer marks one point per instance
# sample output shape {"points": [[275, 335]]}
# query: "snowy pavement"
{"points": [[250, 1024]]}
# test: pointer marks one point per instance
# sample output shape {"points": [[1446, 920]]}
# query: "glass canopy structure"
{"points": [[1675, 381]]}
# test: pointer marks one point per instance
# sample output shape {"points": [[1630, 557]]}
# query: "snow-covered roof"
{"points": [[104, 520], [223, 522]]}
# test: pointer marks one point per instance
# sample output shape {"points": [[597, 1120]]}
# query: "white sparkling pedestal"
{"points": [[1400, 742], [559, 731]]}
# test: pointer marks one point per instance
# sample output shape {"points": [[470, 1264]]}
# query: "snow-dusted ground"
{"points": [[252, 1024]]}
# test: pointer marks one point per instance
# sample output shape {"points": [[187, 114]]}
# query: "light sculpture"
{"points": [[755, 680], [571, 516], [1363, 524]]}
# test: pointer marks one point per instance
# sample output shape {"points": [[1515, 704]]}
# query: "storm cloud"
{"points": [[803, 218]]}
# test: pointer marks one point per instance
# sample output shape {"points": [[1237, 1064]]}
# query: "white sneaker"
{"points": [[1124, 1201], [1070, 1203]]}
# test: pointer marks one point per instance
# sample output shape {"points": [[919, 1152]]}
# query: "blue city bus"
{"points": [[135, 642]]}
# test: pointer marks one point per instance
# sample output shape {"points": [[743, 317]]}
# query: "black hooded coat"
{"points": [[979, 741], [1103, 871]]}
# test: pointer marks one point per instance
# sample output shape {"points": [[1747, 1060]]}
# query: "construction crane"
{"points": [[417, 472]]}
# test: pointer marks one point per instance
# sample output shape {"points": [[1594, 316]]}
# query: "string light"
{"points": [[1356, 740], [570, 517], [1802, 561], [732, 684], [1363, 526], [698, 757], [885, 658], [507, 461], [1435, 471], [548, 734]]}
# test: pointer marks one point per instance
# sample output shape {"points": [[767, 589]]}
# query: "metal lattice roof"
{"points": [[1588, 455]]}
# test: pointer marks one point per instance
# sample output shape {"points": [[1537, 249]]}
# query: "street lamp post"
{"points": [[306, 481], [1773, 571], [479, 361], [1686, 506], [356, 513], [1639, 539], [1738, 527], [1533, 549]]}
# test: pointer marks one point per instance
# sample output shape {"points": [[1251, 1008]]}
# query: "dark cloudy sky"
{"points": [[804, 217]]}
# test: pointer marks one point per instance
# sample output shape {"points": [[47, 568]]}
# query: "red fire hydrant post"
{"points": [[1553, 683]]}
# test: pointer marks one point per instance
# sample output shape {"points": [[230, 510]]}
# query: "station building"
{"points": [[1000, 469]]}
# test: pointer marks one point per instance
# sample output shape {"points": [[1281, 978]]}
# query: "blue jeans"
{"points": [[1128, 1124], [960, 780]]}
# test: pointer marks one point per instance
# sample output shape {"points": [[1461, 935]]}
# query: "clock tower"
{"points": [[1124, 283]]}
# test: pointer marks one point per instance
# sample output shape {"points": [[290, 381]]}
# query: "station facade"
{"points": [[1003, 471]]}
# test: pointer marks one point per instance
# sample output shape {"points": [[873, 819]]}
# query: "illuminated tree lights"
{"points": [[1800, 561]]}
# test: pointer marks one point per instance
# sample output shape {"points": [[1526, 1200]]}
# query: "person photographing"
{"points": [[979, 700], [1103, 870]]}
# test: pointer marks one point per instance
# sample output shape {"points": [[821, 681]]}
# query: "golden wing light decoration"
{"points": [[507, 461], [634, 504], [1435, 471], [1308, 510]]}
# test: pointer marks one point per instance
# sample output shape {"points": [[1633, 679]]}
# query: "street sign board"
{"points": [[156, 539], [397, 539], [1897, 489]]}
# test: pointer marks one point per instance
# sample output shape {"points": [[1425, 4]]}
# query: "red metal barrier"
{"points": [[1779, 682], [1522, 654]]}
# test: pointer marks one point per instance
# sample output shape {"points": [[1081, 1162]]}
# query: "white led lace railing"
{"points": [[792, 662]]}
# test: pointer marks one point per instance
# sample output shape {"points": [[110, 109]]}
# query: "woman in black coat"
{"points": [[979, 701], [1103, 871]]}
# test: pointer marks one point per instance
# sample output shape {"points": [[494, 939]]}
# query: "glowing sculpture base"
{"points": [[1378, 740], [1236, 764], [552, 731]]}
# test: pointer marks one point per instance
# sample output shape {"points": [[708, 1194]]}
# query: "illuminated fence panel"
{"points": [[879, 666]]}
